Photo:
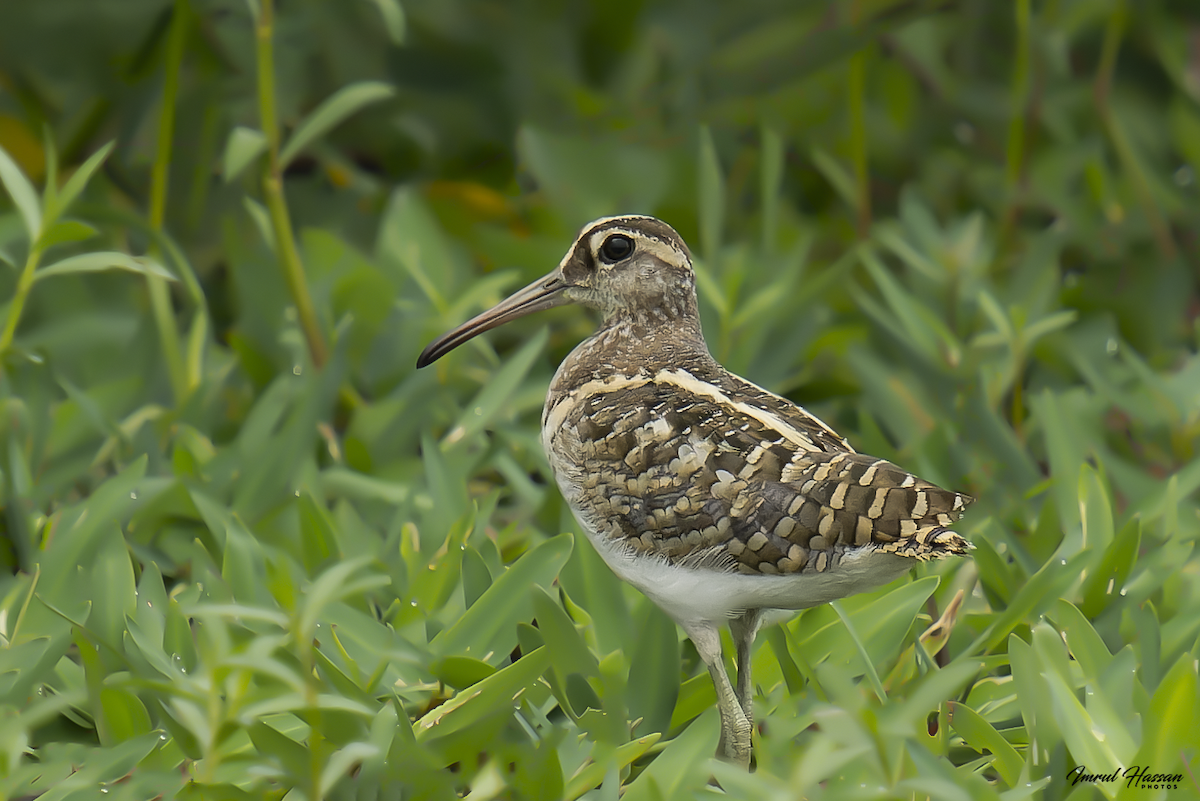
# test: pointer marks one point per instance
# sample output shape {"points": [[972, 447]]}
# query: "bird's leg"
{"points": [[744, 629], [735, 727]]}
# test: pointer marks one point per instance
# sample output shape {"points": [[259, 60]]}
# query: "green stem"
{"points": [[858, 141], [1020, 97], [24, 284], [289, 256], [160, 294], [1101, 90]]}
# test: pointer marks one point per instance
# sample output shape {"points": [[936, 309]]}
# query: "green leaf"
{"points": [[682, 765], [1169, 729], [23, 195], [393, 19], [712, 198], [66, 231], [289, 754], [881, 623], [77, 182], [125, 714], [483, 699], [1106, 582], [1042, 587], [461, 672], [654, 669], [494, 398], [980, 735], [335, 584], [569, 652], [330, 113], [841, 180], [592, 774], [488, 628], [262, 220], [241, 149], [341, 762], [770, 180], [103, 261]]}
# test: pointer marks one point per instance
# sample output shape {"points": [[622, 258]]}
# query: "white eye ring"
{"points": [[616, 248]]}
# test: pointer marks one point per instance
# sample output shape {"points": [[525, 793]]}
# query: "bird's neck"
{"points": [[637, 342]]}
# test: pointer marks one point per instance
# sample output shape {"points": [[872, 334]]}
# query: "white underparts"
{"points": [[692, 595]]}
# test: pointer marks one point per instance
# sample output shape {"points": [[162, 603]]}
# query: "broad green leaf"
{"points": [[461, 672], [1038, 592], [1079, 732], [66, 231], [291, 755], [332, 112], [101, 262], [1086, 646], [1169, 728], [488, 628], [1034, 698], [980, 735], [241, 149], [494, 398], [476, 577], [242, 565], [592, 774], [104, 766], [1095, 515], [382, 736], [881, 624], [125, 714], [654, 670], [483, 699], [332, 585], [1107, 581], [342, 761], [23, 195], [682, 764], [317, 534], [568, 650]]}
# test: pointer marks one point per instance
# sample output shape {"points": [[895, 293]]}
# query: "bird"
{"points": [[723, 503]]}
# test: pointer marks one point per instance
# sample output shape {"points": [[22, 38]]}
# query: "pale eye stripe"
{"points": [[663, 250]]}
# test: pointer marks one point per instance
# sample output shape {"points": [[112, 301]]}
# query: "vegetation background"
{"points": [[250, 553]]}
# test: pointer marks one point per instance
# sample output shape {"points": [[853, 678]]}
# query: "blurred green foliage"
{"points": [[251, 553]]}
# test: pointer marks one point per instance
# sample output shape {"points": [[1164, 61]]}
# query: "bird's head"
{"points": [[632, 268]]}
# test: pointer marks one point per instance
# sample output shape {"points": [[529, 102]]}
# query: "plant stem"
{"points": [[1101, 91], [858, 135], [289, 256], [160, 295], [24, 284], [1015, 151]]}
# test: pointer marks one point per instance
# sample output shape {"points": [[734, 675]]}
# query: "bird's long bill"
{"points": [[544, 293]]}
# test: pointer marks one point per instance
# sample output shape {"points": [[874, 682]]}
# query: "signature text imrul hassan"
{"points": [[1135, 777]]}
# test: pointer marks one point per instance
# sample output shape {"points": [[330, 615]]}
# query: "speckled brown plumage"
{"points": [[733, 475], [714, 497]]}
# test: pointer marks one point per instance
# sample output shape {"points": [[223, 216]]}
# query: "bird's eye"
{"points": [[615, 248]]}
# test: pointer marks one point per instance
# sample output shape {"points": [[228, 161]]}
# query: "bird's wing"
{"points": [[679, 466]]}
